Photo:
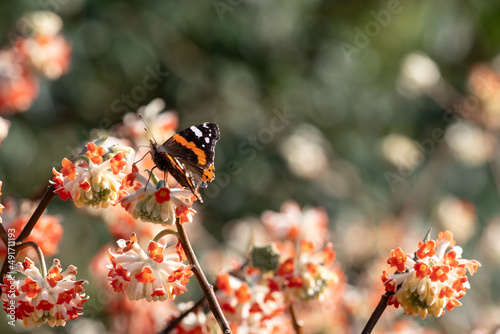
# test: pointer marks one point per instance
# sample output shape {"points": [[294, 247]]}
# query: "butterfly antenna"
{"points": [[147, 128]]}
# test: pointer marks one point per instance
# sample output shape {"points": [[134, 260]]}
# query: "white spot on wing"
{"points": [[179, 163], [196, 131], [207, 140], [205, 125]]}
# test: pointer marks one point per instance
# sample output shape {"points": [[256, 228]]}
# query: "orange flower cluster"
{"points": [[434, 279], [93, 178], [55, 297], [152, 201], [39, 49], [154, 275], [290, 272]]}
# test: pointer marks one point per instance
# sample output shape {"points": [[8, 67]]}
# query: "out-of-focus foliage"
{"points": [[385, 113]]}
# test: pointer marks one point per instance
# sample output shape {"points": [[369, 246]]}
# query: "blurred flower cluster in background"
{"points": [[359, 125]]}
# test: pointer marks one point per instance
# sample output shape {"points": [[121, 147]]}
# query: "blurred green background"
{"points": [[305, 94]]}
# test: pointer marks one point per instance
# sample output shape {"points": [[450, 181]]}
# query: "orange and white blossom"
{"points": [[294, 223], [46, 51], [161, 124], [155, 274], [195, 322], [18, 86], [432, 280], [122, 313], [155, 202], [38, 48], [54, 298], [93, 178], [306, 266], [308, 273], [255, 307]]}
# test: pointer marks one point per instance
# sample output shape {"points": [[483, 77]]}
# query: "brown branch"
{"points": [[297, 324], [49, 195], [39, 253], [171, 326], [202, 280], [4, 236], [5, 266], [382, 304]]}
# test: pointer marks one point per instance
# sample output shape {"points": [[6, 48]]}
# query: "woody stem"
{"points": [[39, 252], [177, 320], [202, 280], [47, 197], [382, 304], [4, 236], [297, 324], [163, 233]]}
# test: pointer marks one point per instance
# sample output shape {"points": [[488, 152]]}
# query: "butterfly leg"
{"points": [[149, 178]]}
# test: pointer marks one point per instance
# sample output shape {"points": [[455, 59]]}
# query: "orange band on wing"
{"points": [[202, 158], [208, 174]]}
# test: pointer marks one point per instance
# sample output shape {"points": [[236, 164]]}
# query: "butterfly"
{"points": [[189, 156]]}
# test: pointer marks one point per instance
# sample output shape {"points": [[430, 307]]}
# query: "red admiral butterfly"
{"points": [[189, 156]]}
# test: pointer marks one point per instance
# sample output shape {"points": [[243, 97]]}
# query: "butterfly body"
{"points": [[189, 156]]}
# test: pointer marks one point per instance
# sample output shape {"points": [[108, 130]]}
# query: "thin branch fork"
{"points": [[173, 324]]}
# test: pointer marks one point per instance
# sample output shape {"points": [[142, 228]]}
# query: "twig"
{"points": [[4, 236], [297, 324], [5, 265], [163, 233], [177, 320], [39, 253], [382, 304], [202, 280], [49, 195]]}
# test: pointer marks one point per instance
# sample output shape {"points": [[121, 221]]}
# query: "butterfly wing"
{"points": [[191, 155]]}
